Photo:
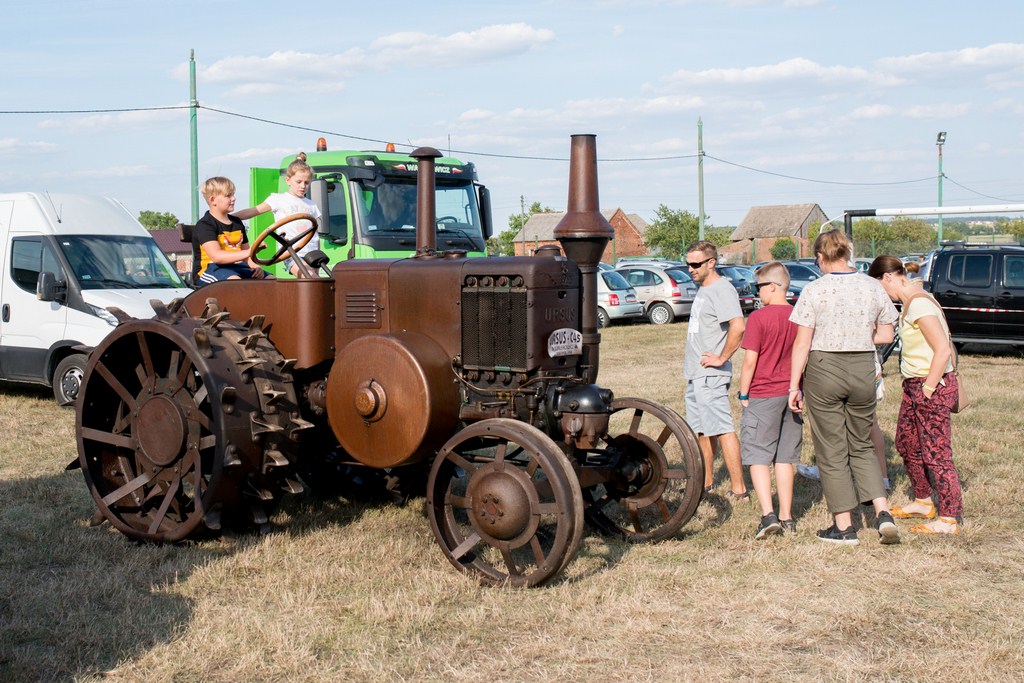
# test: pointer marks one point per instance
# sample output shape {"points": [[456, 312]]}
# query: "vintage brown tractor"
{"points": [[477, 376]]}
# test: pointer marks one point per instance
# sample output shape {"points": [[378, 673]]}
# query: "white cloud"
{"points": [[933, 112], [798, 72], [117, 121], [13, 147], [989, 60], [291, 72], [874, 111], [252, 155], [465, 47], [114, 172]]}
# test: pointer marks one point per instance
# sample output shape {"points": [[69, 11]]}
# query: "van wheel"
{"points": [[67, 379], [602, 318], [660, 314]]}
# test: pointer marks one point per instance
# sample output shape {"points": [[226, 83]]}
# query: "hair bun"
{"points": [[301, 156], [912, 267]]}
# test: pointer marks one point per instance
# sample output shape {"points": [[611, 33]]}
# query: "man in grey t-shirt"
{"points": [[715, 331]]}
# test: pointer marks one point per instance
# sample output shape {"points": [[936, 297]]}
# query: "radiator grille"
{"points": [[494, 328]]}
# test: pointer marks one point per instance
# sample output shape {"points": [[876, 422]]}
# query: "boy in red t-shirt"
{"points": [[769, 431]]}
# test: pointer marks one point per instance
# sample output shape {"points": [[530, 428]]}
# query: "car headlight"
{"points": [[104, 314]]}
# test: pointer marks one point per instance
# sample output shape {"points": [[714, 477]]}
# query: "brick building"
{"points": [[628, 241], [178, 253]]}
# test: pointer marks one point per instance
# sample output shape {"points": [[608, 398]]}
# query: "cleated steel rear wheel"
{"points": [[184, 424]]}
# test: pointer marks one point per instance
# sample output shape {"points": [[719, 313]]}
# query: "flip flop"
{"points": [[954, 529], [899, 513]]}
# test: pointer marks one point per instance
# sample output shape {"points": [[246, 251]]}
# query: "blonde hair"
{"points": [[298, 166], [776, 272], [833, 245], [216, 186]]}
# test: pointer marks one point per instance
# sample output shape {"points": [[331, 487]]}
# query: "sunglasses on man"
{"points": [[698, 264]]}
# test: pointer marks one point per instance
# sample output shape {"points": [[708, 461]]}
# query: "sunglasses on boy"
{"points": [[759, 285]]}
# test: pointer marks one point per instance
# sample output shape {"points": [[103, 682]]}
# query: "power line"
{"points": [[980, 194], [471, 153], [91, 111], [814, 180]]}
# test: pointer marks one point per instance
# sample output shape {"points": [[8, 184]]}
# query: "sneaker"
{"points": [[788, 526], [808, 471], [833, 534], [888, 532], [769, 526]]}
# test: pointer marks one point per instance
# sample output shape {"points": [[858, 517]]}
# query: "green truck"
{"points": [[371, 200]]}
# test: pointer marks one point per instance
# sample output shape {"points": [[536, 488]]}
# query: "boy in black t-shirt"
{"points": [[220, 249]]}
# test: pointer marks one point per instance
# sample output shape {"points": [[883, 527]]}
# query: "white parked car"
{"points": [[616, 300], [666, 293]]}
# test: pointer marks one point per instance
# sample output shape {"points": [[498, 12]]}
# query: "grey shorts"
{"points": [[707, 405], [770, 431]]}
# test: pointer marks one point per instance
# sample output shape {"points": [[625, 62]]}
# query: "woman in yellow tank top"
{"points": [[923, 429]]}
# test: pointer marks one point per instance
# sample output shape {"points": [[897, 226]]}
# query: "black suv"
{"points": [[981, 290]]}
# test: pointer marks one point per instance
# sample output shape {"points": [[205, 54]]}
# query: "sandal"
{"points": [[899, 513], [710, 488], [953, 528], [740, 497]]}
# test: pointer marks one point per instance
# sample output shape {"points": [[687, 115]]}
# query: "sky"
{"points": [[834, 102]]}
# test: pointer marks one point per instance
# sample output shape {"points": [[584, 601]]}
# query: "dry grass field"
{"points": [[348, 592]]}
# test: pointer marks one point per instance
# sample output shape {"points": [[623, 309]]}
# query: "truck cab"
{"points": [[371, 204]]}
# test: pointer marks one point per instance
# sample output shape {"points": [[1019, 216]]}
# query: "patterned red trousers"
{"points": [[923, 439]]}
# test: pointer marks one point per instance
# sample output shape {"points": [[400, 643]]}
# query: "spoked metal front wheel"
{"points": [[505, 503]]}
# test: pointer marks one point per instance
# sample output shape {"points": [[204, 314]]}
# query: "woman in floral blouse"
{"points": [[841, 317]]}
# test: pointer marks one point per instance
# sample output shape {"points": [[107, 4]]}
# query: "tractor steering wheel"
{"points": [[289, 246]]}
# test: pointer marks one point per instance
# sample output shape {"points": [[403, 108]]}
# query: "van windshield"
{"points": [[118, 261]]}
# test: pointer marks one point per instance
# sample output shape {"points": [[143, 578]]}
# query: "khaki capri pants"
{"points": [[839, 393]]}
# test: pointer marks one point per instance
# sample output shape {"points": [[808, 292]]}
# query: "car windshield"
{"points": [[118, 261], [614, 280]]}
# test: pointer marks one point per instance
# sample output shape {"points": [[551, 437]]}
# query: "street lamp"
{"points": [[940, 140]]}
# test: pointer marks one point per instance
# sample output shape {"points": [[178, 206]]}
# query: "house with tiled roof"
{"points": [[753, 238], [628, 241], [178, 253]]}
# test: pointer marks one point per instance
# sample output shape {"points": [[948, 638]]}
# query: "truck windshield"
{"points": [[387, 215], [118, 261]]}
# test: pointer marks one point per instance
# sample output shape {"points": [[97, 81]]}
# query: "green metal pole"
{"points": [[700, 182], [193, 135], [940, 194]]}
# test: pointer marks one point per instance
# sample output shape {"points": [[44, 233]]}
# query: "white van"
{"points": [[65, 259]]}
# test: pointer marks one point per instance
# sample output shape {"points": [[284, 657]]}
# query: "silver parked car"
{"points": [[666, 293], [616, 300]]}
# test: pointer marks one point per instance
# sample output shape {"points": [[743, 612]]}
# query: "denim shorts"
{"points": [[707, 405]]}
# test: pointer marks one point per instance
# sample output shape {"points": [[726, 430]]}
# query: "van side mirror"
{"points": [[49, 288]]}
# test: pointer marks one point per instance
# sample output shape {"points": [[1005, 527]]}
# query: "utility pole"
{"points": [[522, 212], [193, 135], [700, 182], [940, 140]]}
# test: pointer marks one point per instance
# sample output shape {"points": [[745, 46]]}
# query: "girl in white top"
{"points": [[297, 176]]}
